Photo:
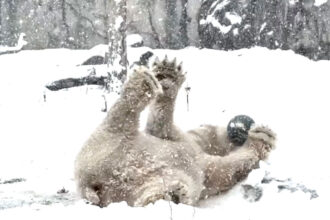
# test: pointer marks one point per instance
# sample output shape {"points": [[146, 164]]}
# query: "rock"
{"points": [[144, 59], [252, 193], [283, 24], [290, 185], [94, 60], [298, 187], [62, 191]]}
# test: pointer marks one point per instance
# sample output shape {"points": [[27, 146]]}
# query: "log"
{"points": [[75, 82]]}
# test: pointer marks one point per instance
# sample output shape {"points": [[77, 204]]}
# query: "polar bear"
{"points": [[120, 163]]}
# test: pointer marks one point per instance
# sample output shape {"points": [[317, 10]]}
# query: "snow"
{"points": [[98, 50], [270, 33], [20, 44], [220, 6], [118, 1], [319, 2], [39, 140], [215, 23], [238, 124], [262, 27], [134, 39], [316, 3], [247, 26], [118, 22], [235, 31], [233, 18], [292, 2], [211, 19]]}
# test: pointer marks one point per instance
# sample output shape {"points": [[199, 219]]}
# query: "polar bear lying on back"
{"points": [[121, 163]]}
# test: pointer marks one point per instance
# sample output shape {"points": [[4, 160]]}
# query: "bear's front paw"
{"points": [[170, 76], [262, 140], [144, 83]]}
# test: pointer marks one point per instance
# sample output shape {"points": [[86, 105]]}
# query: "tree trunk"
{"points": [[183, 23], [170, 24], [64, 23], [117, 59], [12, 21], [1, 22], [0, 14], [106, 19]]}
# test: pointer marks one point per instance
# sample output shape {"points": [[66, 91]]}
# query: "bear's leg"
{"points": [[160, 120], [138, 91], [222, 173]]}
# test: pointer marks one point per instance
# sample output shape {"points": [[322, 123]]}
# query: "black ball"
{"points": [[238, 129]]}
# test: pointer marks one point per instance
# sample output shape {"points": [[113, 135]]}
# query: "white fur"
{"points": [[120, 163]]}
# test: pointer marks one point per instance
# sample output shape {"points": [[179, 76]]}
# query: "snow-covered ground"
{"points": [[320, 2], [42, 131]]}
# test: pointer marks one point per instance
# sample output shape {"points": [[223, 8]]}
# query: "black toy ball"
{"points": [[238, 129]]}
